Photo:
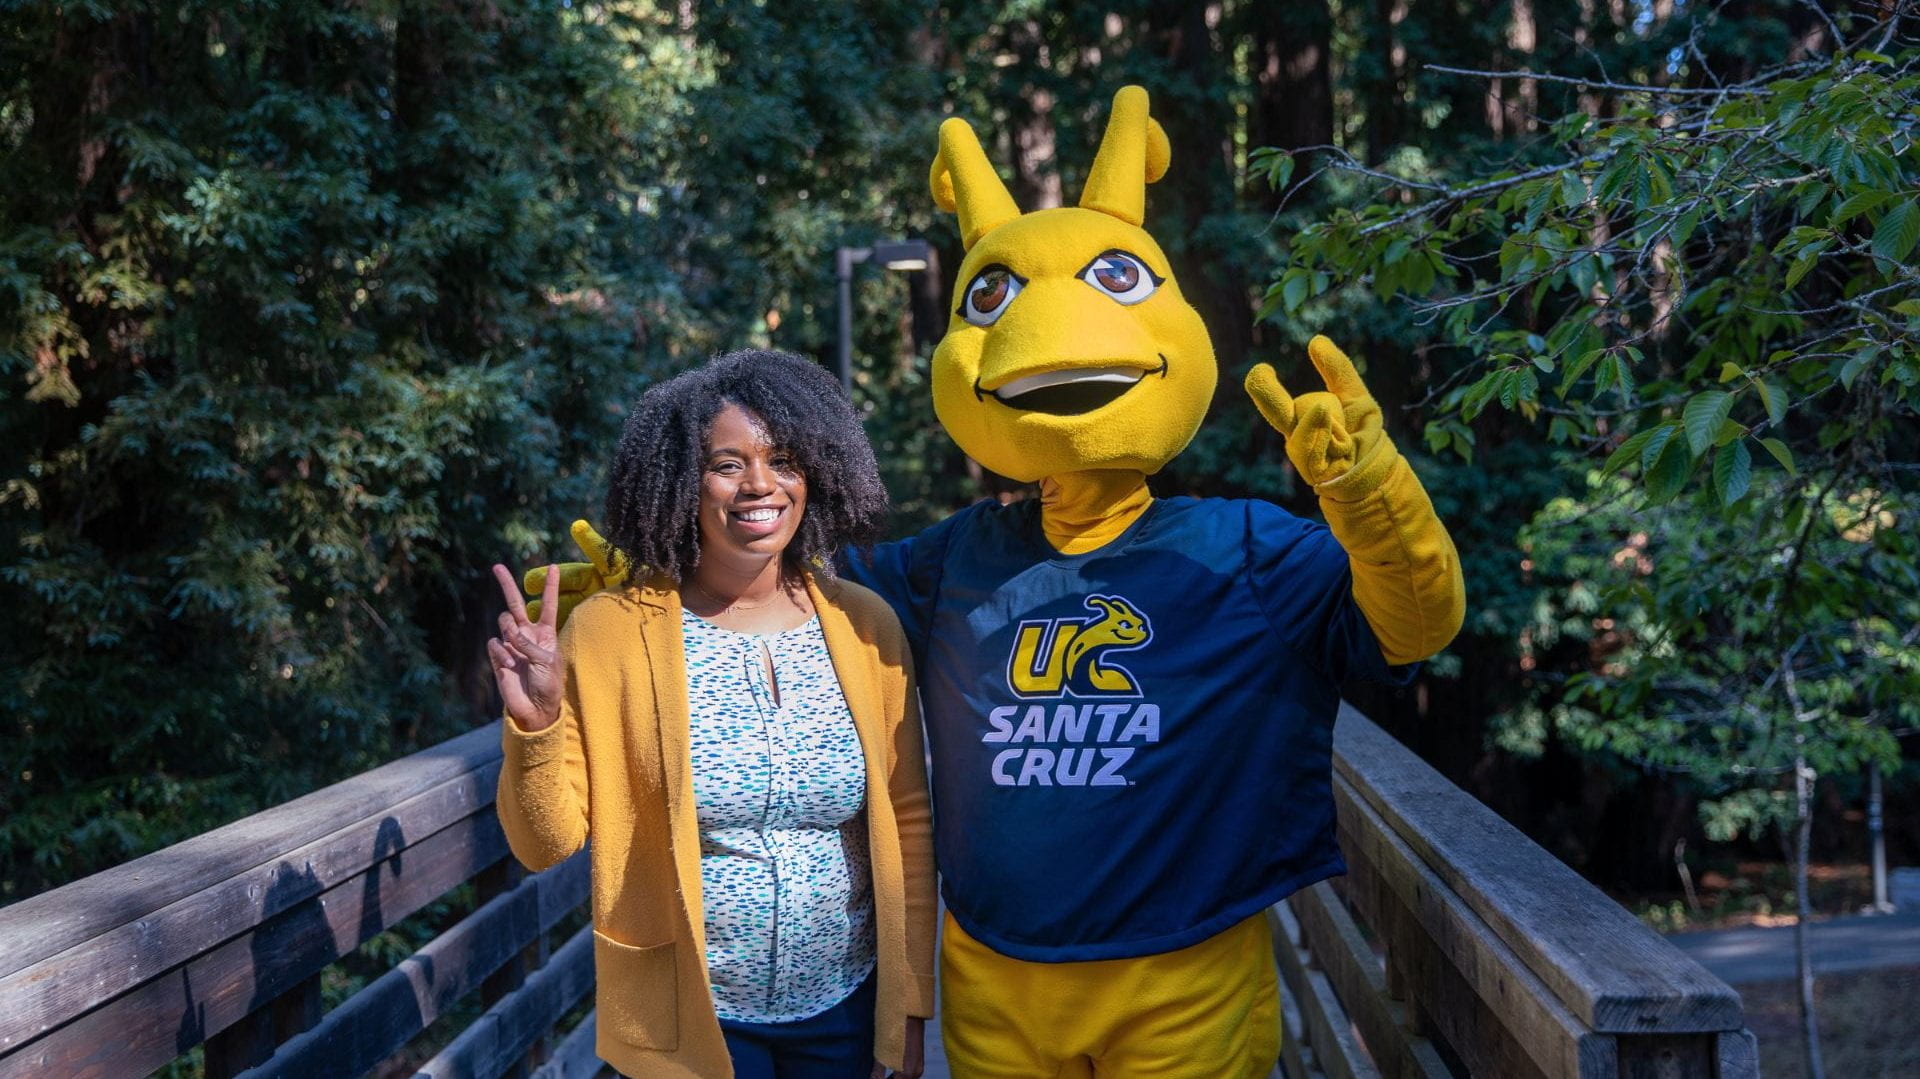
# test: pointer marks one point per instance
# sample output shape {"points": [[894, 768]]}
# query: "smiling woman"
{"points": [[738, 736], [671, 456]]}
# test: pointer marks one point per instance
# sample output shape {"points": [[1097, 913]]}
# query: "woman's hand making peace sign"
{"points": [[526, 655]]}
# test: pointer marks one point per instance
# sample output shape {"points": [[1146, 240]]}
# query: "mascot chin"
{"points": [[1130, 701]]}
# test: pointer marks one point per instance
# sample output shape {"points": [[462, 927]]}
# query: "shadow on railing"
{"points": [[1455, 946], [222, 939]]}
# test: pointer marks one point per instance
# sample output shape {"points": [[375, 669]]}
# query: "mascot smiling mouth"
{"points": [[1069, 393]]}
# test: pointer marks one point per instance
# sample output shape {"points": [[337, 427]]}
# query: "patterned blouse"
{"points": [[778, 788]]}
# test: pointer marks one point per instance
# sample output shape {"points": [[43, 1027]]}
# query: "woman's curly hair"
{"points": [[653, 496]]}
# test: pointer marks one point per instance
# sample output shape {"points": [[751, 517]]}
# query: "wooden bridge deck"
{"points": [[1454, 947]]}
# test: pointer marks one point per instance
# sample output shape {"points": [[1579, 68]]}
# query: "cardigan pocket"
{"points": [[637, 993]]}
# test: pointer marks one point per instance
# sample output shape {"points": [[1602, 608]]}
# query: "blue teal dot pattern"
{"points": [[778, 785]]}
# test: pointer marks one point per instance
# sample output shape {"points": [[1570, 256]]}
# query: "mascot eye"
{"points": [[1121, 276], [989, 294]]}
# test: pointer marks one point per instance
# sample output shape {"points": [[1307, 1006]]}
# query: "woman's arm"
{"points": [[542, 798]]}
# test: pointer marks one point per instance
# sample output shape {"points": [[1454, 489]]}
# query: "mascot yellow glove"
{"points": [[603, 569], [1406, 574]]}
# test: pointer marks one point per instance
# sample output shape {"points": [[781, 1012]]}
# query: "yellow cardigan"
{"points": [[616, 767]]}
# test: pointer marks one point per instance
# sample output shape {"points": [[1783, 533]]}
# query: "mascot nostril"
{"points": [[1129, 700]]}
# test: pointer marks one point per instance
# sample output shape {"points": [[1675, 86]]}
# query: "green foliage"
{"points": [[318, 312], [313, 312], [316, 316], [1706, 300]]}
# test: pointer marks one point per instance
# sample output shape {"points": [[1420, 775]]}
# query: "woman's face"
{"points": [[752, 493]]}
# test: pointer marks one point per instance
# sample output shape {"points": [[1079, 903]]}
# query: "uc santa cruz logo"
{"points": [[1082, 718], [1056, 656]]}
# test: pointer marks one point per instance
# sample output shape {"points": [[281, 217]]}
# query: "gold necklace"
{"points": [[726, 607]]}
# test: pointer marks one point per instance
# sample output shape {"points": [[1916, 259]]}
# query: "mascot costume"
{"points": [[1129, 701]]}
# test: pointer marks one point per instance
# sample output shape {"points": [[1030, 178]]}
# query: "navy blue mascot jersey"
{"points": [[1132, 748]]}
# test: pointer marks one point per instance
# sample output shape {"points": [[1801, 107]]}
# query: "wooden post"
{"points": [[1668, 1056], [252, 1040], [240, 1046], [533, 957], [497, 878]]}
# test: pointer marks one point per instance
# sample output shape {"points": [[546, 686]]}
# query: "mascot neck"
{"points": [[1084, 511]]}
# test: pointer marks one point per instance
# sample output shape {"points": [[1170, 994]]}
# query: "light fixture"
{"points": [[904, 255], [907, 256]]}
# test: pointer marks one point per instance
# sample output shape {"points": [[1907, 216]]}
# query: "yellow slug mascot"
{"points": [[1129, 701]]}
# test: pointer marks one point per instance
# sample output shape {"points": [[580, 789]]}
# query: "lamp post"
{"points": [[907, 255]]}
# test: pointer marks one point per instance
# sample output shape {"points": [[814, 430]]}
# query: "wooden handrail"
{"points": [[378, 1021], [221, 939], [1455, 946], [222, 875]]}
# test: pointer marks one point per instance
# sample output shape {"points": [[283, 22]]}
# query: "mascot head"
{"points": [[1070, 346]]}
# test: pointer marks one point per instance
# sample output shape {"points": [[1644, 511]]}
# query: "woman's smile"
{"points": [[757, 521]]}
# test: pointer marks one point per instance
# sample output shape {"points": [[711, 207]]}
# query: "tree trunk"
{"points": [[1877, 840], [1589, 28], [1200, 186], [1802, 954], [1387, 56], [1036, 172], [1520, 104], [1292, 82], [1803, 780]]}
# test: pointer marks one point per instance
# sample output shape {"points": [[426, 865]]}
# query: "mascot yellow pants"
{"points": [[1208, 1011]]}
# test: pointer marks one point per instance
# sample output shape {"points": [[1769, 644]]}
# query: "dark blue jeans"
{"points": [[836, 1044]]}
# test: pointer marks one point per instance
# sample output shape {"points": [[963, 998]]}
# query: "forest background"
{"points": [[310, 312]]}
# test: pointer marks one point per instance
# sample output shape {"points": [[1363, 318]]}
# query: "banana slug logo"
{"points": [[1056, 655], [1060, 660]]}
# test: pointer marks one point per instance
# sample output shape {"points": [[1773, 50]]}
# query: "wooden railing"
{"points": [[221, 941], [1454, 947]]}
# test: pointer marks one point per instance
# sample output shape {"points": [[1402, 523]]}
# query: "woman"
{"points": [[739, 738]]}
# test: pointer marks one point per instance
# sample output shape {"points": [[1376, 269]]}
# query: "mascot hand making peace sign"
{"points": [[1130, 700]]}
